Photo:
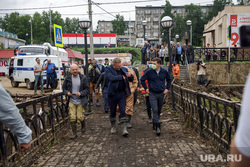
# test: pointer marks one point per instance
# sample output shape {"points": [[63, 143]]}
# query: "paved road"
{"points": [[177, 146]]}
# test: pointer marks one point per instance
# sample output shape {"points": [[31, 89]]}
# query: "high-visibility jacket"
{"points": [[176, 71], [106, 64]]}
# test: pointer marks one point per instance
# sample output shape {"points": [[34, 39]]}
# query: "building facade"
{"points": [[10, 40], [216, 31], [152, 14]]}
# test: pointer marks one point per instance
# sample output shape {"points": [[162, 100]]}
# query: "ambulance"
{"points": [[21, 68]]}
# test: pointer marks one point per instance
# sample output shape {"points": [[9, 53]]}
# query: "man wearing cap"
{"points": [[107, 63]]}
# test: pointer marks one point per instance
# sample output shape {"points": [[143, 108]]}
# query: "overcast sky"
{"points": [[125, 9]]}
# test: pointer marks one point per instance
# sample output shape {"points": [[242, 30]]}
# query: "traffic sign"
{"points": [[58, 35]]}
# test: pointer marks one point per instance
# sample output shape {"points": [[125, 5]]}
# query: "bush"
{"points": [[135, 52]]}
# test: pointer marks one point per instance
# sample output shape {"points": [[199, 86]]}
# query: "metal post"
{"points": [[144, 32], [31, 31], [91, 31], [59, 69], [87, 65], [76, 39], [191, 35], [170, 65], [50, 24]]}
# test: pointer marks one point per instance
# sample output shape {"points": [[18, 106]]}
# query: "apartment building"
{"points": [[107, 27], [152, 14]]}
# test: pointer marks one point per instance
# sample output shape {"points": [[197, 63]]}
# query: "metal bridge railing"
{"points": [[215, 118], [45, 116]]}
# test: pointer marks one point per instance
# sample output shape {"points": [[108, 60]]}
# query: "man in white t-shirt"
{"points": [[38, 69], [240, 146]]}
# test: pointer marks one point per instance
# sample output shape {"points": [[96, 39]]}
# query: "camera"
{"points": [[94, 65], [199, 62]]}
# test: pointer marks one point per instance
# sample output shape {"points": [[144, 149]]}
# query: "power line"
{"points": [[102, 9], [69, 6]]}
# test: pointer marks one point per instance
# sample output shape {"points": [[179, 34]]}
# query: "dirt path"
{"points": [[176, 146]]}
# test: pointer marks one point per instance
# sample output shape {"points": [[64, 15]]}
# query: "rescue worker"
{"points": [[107, 63], [130, 99], [76, 87], [176, 70]]}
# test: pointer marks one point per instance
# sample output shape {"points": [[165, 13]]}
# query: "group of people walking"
{"points": [[120, 83]]}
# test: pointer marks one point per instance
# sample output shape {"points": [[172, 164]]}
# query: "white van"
{"points": [[45, 49], [21, 69]]}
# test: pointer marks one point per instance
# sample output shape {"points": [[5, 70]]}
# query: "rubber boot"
{"points": [[97, 103], [158, 129], [113, 125], [129, 119], [83, 126], [73, 127], [91, 102], [124, 122]]}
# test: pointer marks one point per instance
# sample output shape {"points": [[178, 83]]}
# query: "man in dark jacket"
{"points": [[156, 82], [76, 86], [190, 53], [118, 89], [94, 74]]}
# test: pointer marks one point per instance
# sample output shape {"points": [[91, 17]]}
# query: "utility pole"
{"points": [[50, 24], [91, 31]]}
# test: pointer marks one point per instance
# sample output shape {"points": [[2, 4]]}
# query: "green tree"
{"points": [[198, 19], [167, 12], [218, 6], [179, 27], [119, 25]]}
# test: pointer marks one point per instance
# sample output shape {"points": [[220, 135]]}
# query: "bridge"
{"points": [[194, 126]]}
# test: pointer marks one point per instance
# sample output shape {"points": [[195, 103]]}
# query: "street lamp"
{"points": [[167, 23], [144, 23], [176, 37], [189, 23], [85, 24], [31, 36], [76, 39]]}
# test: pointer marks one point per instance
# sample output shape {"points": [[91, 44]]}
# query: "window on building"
{"points": [[156, 19], [140, 12], [102, 30], [139, 18], [155, 11], [108, 24], [155, 34], [140, 34], [179, 10], [147, 34], [162, 11], [147, 26], [156, 26], [148, 11], [102, 24], [148, 19], [204, 10], [139, 26], [108, 30]]}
